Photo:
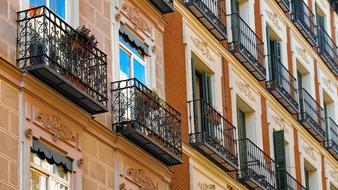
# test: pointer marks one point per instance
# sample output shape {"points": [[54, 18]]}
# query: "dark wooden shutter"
{"points": [[241, 135], [300, 91], [275, 59], [269, 50], [278, 141]]}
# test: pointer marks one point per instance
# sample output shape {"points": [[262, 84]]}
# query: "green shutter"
{"points": [[234, 6], [278, 141], [241, 135], [193, 77], [300, 90], [206, 90], [269, 50], [275, 59]]}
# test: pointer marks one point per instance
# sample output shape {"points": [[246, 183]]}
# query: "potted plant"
{"points": [[77, 44]]}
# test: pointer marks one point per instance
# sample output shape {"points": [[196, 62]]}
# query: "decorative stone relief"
{"points": [[136, 18], [245, 88], [302, 53], [29, 133], [203, 47], [139, 177], [204, 186], [53, 125], [310, 151], [328, 84], [334, 175], [274, 19], [281, 122]]}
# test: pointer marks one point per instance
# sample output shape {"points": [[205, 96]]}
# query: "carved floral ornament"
{"points": [[246, 90], [203, 47], [274, 19], [310, 151], [204, 186], [334, 175], [328, 84], [302, 53], [135, 17], [53, 125], [281, 122], [139, 177]]}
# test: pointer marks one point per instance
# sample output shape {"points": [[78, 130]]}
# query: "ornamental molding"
{"points": [[274, 19], [135, 17], [204, 186], [334, 175], [53, 125], [303, 54], [281, 123], [246, 90], [310, 151], [328, 84], [139, 177], [203, 47]]}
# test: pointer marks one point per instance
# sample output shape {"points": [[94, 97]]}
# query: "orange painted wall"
{"points": [[175, 89]]}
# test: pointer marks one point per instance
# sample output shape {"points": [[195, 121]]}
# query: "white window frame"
{"points": [[132, 57], [71, 10], [49, 175]]}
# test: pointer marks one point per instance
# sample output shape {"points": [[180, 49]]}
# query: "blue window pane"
{"points": [[131, 47], [139, 71], [58, 6], [125, 62], [36, 3]]}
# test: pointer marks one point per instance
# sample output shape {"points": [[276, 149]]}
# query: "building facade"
{"points": [[168, 94]]}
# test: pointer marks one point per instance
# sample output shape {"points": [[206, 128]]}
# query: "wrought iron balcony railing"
{"points": [[304, 20], [211, 13], [327, 50], [212, 135], [246, 46], [311, 115], [48, 49], [164, 6], [286, 182], [332, 137], [257, 169], [283, 85], [148, 121], [284, 4]]}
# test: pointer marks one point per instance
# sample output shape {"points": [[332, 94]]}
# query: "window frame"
{"points": [[48, 173], [70, 16], [133, 57]]}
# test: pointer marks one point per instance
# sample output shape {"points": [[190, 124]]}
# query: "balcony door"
{"points": [[274, 52], [202, 96], [280, 158], [241, 125]]}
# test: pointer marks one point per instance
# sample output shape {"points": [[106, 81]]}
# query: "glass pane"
{"points": [[125, 62], [36, 3], [137, 51], [38, 181], [58, 6], [55, 185], [139, 71], [60, 172]]}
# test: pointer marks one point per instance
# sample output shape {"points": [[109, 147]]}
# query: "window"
{"points": [[58, 6], [132, 61], [47, 176]]}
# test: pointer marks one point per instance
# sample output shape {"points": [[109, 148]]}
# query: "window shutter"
{"points": [[278, 139], [193, 75], [206, 90], [269, 50]]}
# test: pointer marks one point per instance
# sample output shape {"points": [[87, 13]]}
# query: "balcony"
{"points": [[247, 47], [304, 20], [211, 14], [47, 48], [284, 4], [332, 138], [287, 182], [212, 135], [164, 6], [146, 120], [257, 169], [311, 115], [327, 50], [282, 86]]}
